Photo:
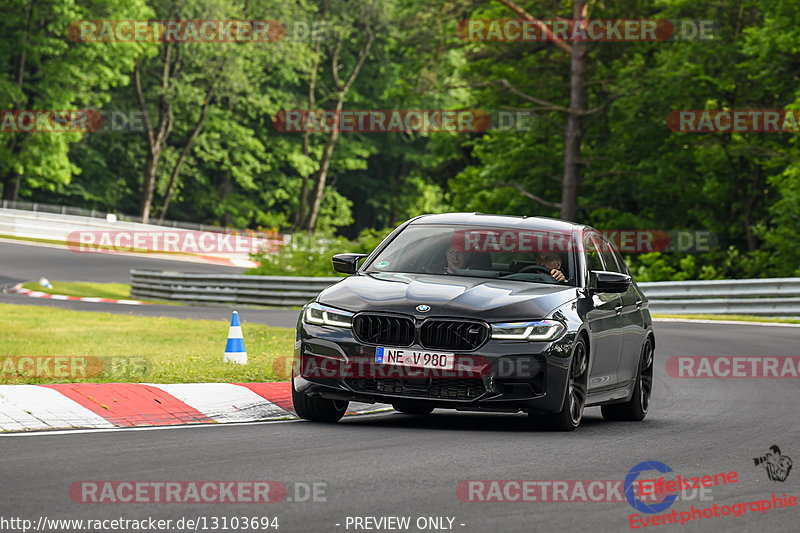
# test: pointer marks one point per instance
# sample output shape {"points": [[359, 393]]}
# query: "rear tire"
{"points": [[317, 409], [636, 408], [571, 412], [411, 409]]}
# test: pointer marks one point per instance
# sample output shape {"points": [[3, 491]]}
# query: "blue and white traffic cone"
{"points": [[45, 283], [234, 350]]}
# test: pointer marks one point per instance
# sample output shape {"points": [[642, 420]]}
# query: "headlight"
{"points": [[542, 330], [327, 316]]}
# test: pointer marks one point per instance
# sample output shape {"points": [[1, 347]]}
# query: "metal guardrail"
{"points": [[773, 297], [226, 288], [769, 296], [38, 207], [67, 227]]}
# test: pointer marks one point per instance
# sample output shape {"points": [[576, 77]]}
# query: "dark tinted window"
{"points": [[609, 258], [478, 251], [593, 261], [623, 266]]}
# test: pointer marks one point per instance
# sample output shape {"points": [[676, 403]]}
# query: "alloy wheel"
{"points": [[646, 375], [577, 383]]}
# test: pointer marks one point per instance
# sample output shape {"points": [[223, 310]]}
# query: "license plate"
{"points": [[417, 358]]}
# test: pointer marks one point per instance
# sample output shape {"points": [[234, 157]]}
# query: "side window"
{"points": [[622, 265], [593, 261], [610, 260]]}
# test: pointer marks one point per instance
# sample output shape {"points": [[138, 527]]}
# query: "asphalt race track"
{"points": [[409, 466], [403, 465], [25, 262], [22, 263]]}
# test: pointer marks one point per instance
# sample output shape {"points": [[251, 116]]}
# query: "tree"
{"points": [[575, 112], [346, 22], [189, 82], [46, 70]]}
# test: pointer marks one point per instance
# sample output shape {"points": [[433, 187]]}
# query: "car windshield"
{"points": [[479, 251]]}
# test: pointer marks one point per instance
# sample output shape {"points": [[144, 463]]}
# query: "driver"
{"points": [[456, 260], [553, 262]]}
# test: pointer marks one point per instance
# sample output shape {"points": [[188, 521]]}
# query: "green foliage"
{"points": [[241, 171], [656, 266], [43, 69], [311, 255], [718, 264]]}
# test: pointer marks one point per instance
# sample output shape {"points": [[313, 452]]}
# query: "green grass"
{"points": [[114, 291], [741, 318], [172, 350]]}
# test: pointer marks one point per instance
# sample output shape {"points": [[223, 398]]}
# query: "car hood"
{"points": [[489, 299]]}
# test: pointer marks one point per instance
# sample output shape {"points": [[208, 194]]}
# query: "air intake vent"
{"points": [[383, 329], [439, 388], [452, 335]]}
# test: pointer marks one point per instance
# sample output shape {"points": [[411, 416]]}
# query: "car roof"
{"points": [[505, 221]]}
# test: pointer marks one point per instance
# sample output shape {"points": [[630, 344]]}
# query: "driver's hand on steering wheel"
{"points": [[552, 262], [558, 275]]}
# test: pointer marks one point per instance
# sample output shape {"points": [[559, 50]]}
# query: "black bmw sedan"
{"points": [[480, 313]]}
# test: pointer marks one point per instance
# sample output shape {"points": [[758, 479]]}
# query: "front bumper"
{"points": [[501, 375]]}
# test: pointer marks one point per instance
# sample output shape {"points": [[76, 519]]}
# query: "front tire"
{"points": [[571, 412], [636, 408], [317, 409]]}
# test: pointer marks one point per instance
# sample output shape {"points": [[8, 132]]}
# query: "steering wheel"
{"points": [[540, 268]]}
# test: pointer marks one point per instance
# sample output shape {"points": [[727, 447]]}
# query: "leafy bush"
{"points": [[727, 263], [311, 255]]}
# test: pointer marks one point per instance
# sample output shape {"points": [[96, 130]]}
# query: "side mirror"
{"points": [[604, 281], [347, 263]]}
